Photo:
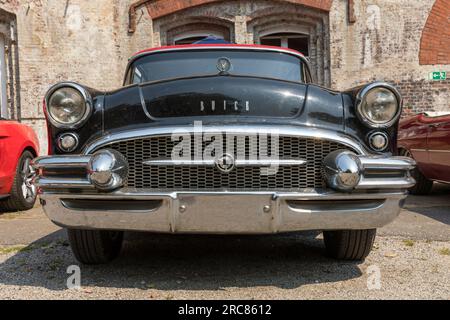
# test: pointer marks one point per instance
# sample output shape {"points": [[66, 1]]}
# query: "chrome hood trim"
{"points": [[290, 131]]}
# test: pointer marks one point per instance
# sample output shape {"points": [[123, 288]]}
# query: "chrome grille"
{"points": [[195, 178]]}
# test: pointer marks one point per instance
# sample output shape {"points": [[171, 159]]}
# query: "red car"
{"points": [[18, 146], [426, 138]]}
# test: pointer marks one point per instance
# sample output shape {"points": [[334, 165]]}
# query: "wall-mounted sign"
{"points": [[438, 75]]}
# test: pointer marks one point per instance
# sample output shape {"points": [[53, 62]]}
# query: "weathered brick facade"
{"points": [[423, 95], [350, 42], [435, 43]]}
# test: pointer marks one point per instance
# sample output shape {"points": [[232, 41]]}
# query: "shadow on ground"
{"points": [[441, 214], [436, 205], [4, 211], [168, 262]]}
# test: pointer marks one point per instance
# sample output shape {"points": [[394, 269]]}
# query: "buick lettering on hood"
{"points": [[222, 139]]}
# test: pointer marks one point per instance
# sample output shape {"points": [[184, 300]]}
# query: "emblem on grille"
{"points": [[225, 163], [223, 65]]}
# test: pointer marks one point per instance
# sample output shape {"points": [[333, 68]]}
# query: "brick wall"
{"points": [[73, 40], [160, 8], [383, 44], [422, 95], [435, 42], [89, 42]]}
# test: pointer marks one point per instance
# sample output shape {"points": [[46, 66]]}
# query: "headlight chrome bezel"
{"points": [[88, 103], [71, 134], [362, 94], [372, 146]]}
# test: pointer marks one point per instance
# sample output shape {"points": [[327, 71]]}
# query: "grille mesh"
{"points": [[197, 178]]}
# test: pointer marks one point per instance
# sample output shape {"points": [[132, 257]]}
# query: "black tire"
{"points": [[423, 185], [21, 199], [352, 245], [95, 246]]}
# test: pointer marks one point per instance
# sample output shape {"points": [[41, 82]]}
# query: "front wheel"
{"points": [[95, 246], [352, 245], [23, 192]]}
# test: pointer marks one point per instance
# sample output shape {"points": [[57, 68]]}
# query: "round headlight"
{"points": [[379, 106], [67, 105]]}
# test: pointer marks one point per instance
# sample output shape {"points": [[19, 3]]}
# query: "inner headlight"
{"points": [[67, 106], [379, 106]]}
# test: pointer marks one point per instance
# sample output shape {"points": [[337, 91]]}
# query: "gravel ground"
{"points": [[411, 256], [271, 267]]}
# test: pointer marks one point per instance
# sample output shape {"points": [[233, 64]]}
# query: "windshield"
{"points": [[194, 63]]}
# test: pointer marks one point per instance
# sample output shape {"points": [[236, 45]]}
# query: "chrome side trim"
{"points": [[292, 131], [439, 151], [62, 161], [238, 163], [443, 182], [392, 163], [63, 183], [386, 183]]}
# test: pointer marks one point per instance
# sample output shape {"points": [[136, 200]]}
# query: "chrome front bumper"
{"points": [[220, 213], [76, 203]]}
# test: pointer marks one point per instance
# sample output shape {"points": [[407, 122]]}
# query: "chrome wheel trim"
{"points": [[415, 172], [27, 187], [407, 153]]}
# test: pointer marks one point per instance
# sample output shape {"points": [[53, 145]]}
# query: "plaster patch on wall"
{"points": [[74, 18], [441, 101], [370, 38], [373, 21]]}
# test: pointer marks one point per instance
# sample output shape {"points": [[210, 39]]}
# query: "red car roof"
{"points": [[219, 46]]}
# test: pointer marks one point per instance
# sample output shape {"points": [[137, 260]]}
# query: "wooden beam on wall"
{"points": [[351, 11]]}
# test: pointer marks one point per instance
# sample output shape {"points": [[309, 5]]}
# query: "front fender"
{"points": [[15, 138]]}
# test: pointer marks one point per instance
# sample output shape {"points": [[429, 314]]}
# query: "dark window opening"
{"points": [[294, 41], [271, 42], [9, 68], [189, 40]]}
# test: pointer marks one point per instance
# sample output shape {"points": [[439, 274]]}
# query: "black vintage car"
{"points": [[222, 139]]}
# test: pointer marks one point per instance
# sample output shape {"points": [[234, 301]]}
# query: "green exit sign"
{"points": [[438, 75]]}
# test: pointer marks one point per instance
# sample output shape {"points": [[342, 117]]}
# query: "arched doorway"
{"points": [[192, 32], [297, 24], [187, 29]]}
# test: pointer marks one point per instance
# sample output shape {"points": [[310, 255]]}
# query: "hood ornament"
{"points": [[223, 64]]}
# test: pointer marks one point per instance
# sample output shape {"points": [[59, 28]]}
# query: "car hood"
{"points": [[222, 100]]}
